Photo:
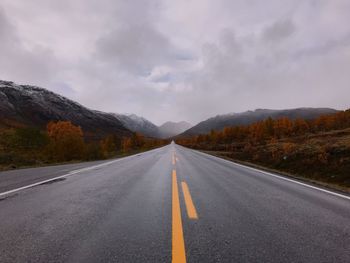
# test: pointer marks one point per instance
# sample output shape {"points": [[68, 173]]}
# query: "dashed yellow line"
{"points": [[191, 210], [178, 243]]}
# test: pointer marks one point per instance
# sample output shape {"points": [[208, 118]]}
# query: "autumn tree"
{"points": [[300, 127], [109, 145], [126, 144], [213, 136], [282, 127], [324, 123], [28, 138], [137, 140], [227, 134], [257, 131], [269, 127], [66, 141], [93, 151]]}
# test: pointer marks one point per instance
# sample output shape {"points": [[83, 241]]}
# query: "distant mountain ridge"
{"points": [[138, 124], [34, 106], [170, 129], [233, 119]]}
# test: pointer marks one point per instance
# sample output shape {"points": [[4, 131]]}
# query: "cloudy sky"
{"points": [[181, 60]]}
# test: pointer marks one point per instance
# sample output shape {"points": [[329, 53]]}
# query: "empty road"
{"points": [[170, 204]]}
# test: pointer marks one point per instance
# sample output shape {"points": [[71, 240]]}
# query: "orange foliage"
{"points": [[267, 130], [126, 144], [66, 141], [108, 145], [137, 140]]}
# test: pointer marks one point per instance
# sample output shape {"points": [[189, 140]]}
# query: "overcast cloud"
{"points": [[181, 60]]}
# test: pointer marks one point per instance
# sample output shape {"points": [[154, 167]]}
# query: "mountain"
{"points": [[29, 105], [138, 124], [220, 121], [170, 129]]}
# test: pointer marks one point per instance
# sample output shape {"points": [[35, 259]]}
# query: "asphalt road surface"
{"points": [[171, 204]]}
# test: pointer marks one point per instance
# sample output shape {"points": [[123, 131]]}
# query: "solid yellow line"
{"points": [[178, 243], [173, 159], [191, 210]]}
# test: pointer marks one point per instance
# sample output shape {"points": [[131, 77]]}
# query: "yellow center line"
{"points": [[191, 210], [178, 243]]}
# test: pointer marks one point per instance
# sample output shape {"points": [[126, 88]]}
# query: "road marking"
{"points": [[191, 210], [174, 159], [74, 172], [178, 243], [274, 175], [177, 159]]}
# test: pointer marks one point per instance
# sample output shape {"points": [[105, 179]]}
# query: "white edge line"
{"points": [[274, 175], [72, 173]]}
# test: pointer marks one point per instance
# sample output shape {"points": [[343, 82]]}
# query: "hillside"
{"points": [[24, 105], [170, 129], [234, 119]]}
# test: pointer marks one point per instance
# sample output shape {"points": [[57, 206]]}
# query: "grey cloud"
{"points": [[165, 78], [279, 30], [7, 36], [323, 48], [180, 60], [137, 48], [36, 64]]}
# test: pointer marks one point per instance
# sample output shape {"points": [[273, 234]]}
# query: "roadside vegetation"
{"points": [[318, 149], [63, 142]]}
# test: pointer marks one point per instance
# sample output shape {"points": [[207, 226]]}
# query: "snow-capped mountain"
{"points": [[29, 105]]}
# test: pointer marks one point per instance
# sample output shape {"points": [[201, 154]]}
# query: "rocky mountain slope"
{"points": [[29, 105], [220, 121]]}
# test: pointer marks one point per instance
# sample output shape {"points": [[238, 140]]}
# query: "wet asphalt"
{"points": [[121, 211]]}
